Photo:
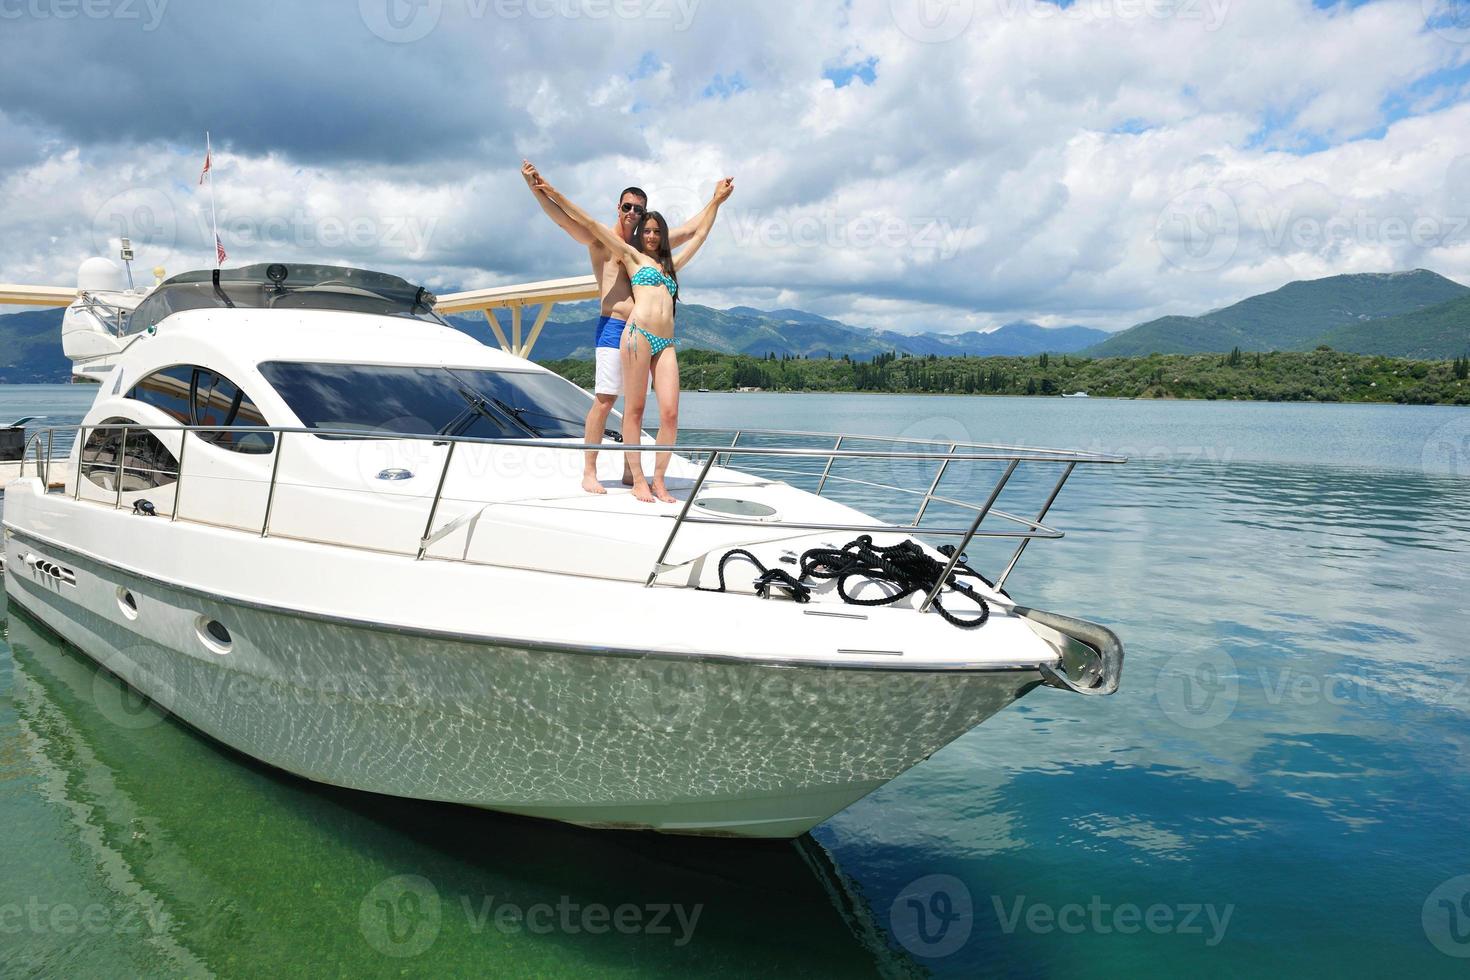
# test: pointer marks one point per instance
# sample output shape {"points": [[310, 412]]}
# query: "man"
{"points": [[617, 301]]}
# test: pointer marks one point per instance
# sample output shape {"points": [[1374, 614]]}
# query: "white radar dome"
{"points": [[99, 275]]}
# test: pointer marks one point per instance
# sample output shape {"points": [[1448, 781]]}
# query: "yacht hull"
{"points": [[609, 739]]}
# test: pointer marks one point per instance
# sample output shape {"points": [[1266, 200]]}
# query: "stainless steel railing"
{"points": [[706, 454]]}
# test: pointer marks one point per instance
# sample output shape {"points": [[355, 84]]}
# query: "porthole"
{"points": [[127, 603], [213, 634]]}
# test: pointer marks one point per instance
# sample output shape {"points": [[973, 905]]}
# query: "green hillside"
{"points": [[1169, 335], [1439, 332], [30, 348], [1294, 376], [1293, 317]]}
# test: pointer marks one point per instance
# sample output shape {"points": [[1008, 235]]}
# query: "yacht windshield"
{"points": [[281, 287], [475, 402]]}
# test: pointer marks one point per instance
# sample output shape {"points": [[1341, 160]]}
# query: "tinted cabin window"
{"points": [[469, 402], [199, 396], [167, 391], [146, 464]]}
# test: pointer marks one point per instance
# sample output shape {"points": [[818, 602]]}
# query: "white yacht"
{"points": [[316, 523]]}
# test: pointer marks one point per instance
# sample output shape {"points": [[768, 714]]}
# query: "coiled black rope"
{"points": [[904, 566], [768, 578]]}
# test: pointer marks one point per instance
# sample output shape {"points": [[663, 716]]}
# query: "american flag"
{"points": [[205, 172], [219, 250]]}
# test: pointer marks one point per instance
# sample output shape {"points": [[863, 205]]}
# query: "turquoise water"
{"points": [[1281, 784]]}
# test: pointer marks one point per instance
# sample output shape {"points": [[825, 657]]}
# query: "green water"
{"points": [[1280, 785]]}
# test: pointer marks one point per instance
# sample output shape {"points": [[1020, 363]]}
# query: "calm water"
{"points": [[1282, 783]]}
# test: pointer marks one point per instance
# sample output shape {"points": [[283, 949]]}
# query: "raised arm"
{"points": [[553, 212], [599, 231], [704, 224], [682, 234]]}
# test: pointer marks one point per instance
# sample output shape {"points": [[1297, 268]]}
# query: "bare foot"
{"points": [[591, 485], [662, 492], [627, 478], [641, 491]]}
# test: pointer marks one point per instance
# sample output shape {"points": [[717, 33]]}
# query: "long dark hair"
{"points": [[665, 256]]}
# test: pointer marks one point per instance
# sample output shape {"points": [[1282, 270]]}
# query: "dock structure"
{"points": [[56, 478], [515, 297], [13, 295]]}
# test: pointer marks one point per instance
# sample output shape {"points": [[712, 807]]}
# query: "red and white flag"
{"points": [[219, 246]]}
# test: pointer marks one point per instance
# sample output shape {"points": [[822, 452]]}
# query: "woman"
{"points": [[648, 340]]}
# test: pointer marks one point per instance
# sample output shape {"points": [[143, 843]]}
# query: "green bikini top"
{"points": [[647, 275]]}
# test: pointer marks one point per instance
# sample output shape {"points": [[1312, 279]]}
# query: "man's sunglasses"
{"points": [[635, 208]]}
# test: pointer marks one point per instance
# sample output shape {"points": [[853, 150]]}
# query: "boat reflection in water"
{"points": [[199, 858]]}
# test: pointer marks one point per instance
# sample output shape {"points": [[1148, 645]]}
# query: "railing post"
{"points": [[270, 494], [179, 483], [77, 476], [50, 448], [669, 542], [828, 468], [1000, 582], [434, 508], [924, 504], [954, 559], [121, 456], [733, 442]]}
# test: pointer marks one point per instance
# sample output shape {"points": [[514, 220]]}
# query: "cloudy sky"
{"points": [[912, 164]]}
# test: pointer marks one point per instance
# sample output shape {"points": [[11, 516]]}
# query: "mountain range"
{"points": [[745, 330], [1406, 314]]}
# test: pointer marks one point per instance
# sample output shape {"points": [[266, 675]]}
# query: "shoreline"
{"points": [[1289, 377]]}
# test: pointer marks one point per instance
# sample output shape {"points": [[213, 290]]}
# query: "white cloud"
{"points": [[1103, 164]]}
